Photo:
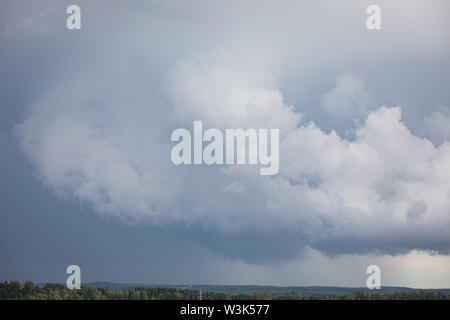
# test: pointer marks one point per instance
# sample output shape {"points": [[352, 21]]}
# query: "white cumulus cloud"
{"points": [[387, 189]]}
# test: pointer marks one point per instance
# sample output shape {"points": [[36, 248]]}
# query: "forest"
{"points": [[13, 290]]}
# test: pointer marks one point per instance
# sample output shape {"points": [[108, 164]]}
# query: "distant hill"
{"points": [[308, 290]]}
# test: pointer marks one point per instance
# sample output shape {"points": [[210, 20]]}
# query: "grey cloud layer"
{"points": [[105, 139], [385, 184]]}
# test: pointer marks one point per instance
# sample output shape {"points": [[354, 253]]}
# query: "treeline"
{"points": [[13, 290]]}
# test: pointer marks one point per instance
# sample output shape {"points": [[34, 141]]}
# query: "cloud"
{"points": [[348, 99], [437, 128], [226, 94], [96, 150], [376, 184], [104, 137], [385, 190]]}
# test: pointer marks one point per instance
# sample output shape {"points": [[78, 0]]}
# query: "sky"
{"points": [[364, 115]]}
